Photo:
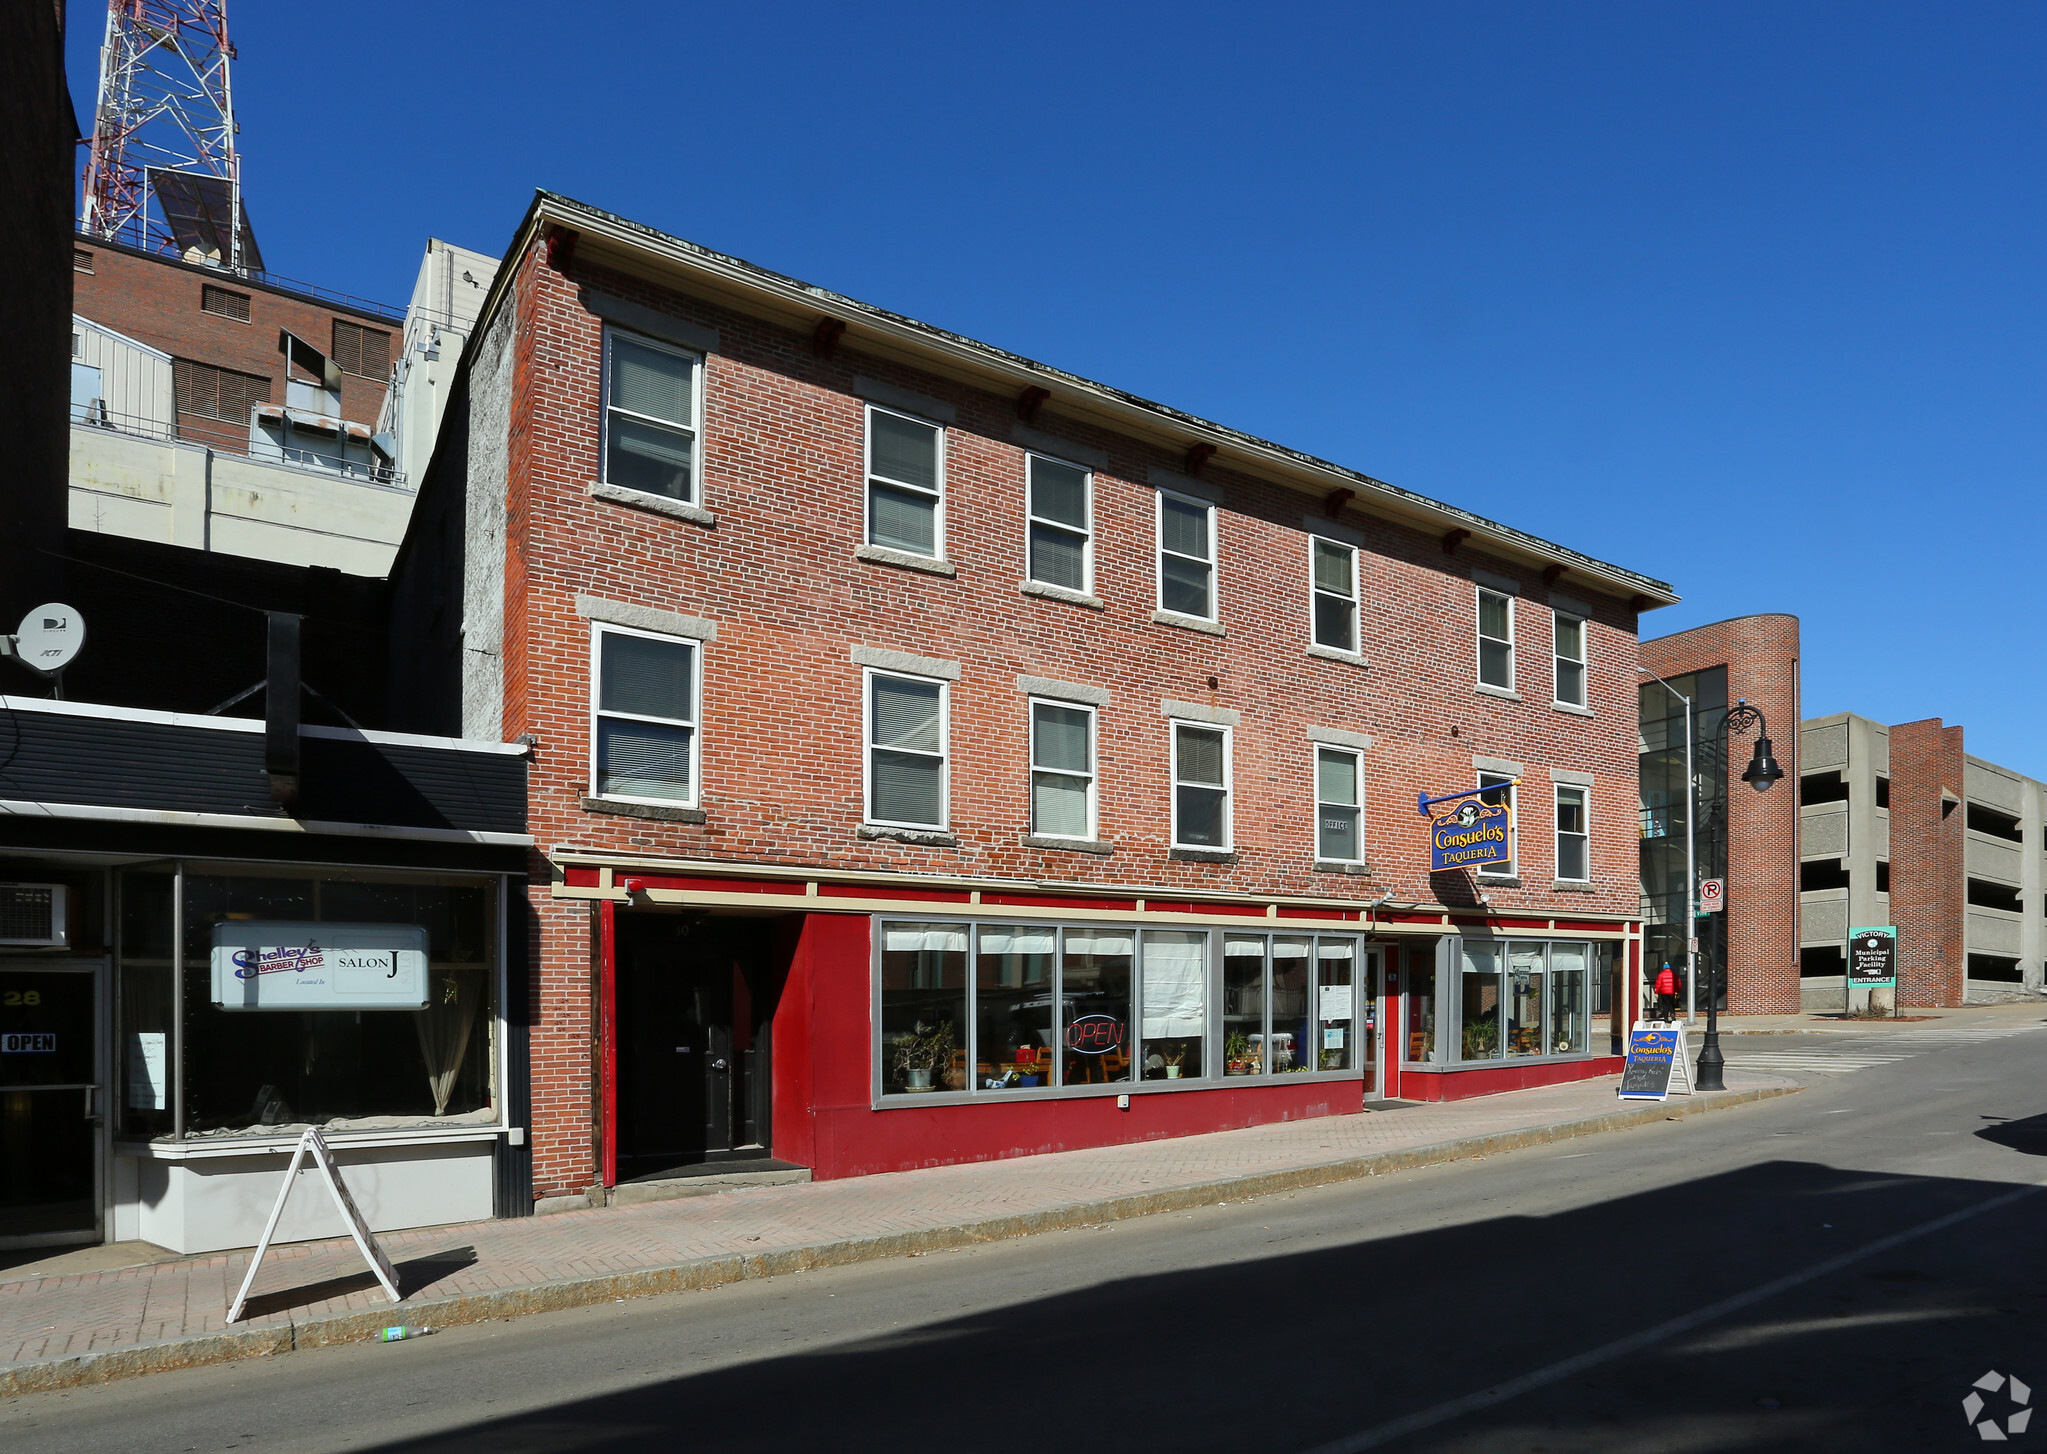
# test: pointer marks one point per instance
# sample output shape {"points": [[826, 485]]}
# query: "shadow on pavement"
{"points": [[1298, 1345], [415, 1275]]}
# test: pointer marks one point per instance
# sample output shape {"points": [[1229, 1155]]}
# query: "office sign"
{"points": [[1473, 833], [268, 965], [1873, 957]]}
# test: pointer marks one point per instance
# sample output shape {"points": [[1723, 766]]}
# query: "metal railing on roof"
{"points": [[225, 440], [132, 238]]}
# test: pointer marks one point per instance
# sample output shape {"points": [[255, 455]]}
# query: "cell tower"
{"points": [[163, 173]]}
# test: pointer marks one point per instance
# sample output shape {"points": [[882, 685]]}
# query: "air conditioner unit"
{"points": [[32, 914]]}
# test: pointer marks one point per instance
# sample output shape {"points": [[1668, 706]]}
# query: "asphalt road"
{"points": [[1828, 1271]]}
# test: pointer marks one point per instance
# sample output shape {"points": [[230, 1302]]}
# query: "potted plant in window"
{"points": [[1237, 1053], [920, 1051], [1174, 1054]]}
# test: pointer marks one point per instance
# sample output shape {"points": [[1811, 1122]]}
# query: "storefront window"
{"points": [[1244, 1005], [1524, 999], [145, 1062], [1175, 1003], [1480, 1002], [1289, 1051], [1337, 1011], [1095, 996], [265, 1070], [1421, 1008], [1013, 1007], [923, 1008], [1567, 975]]}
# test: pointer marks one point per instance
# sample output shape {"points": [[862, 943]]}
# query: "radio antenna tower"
{"points": [[163, 173]]}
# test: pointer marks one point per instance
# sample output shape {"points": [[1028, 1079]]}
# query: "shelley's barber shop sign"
{"points": [[280, 966], [1465, 831]]}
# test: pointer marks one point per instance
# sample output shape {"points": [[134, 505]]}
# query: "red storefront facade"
{"points": [[933, 751]]}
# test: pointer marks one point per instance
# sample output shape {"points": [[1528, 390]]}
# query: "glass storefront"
{"points": [[992, 1008], [266, 1071], [1668, 828], [1504, 1000]]}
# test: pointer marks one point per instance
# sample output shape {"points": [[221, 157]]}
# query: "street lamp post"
{"points": [[1761, 774], [1691, 851]]}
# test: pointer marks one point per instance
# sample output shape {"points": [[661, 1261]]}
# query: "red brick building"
{"points": [[1753, 837], [221, 332], [938, 756]]}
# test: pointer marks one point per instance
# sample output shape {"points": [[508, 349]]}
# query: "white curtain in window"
{"points": [[1175, 975], [1082, 941], [445, 1025], [1247, 948], [1016, 941], [1336, 951], [934, 938]]}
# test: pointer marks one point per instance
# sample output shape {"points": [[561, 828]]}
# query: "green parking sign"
{"points": [[1873, 957]]}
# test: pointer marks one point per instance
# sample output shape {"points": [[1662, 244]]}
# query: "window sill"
{"points": [[1188, 623], [1458, 1067], [1061, 593], [1502, 693], [652, 812], [928, 837], [658, 504], [1332, 653], [904, 560], [1202, 855], [1497, 881], [1573, 886], [1069, 845], [923, 1099], [1572, 708], [1337, 865]]}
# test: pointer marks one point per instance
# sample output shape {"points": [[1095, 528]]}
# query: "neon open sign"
{"points": [[1094, 1034]]}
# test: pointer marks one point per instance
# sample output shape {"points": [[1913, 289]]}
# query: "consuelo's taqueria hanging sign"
{"points": [[1474, 831]]}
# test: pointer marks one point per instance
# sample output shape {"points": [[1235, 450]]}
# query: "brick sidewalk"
{"points": [[85, 1327]]}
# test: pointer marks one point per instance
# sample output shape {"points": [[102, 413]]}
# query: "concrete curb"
{"points": [[84, 1369]]}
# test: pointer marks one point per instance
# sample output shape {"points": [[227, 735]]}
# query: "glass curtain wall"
{"points": [[1665, 806]]}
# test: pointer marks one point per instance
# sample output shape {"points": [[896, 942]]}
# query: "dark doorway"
{"points": [[696, 1004]]}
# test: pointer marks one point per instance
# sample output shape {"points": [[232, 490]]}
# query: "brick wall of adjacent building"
{"points": [[1761, 657], [782, 764], [155, 299], [1928, 852]]}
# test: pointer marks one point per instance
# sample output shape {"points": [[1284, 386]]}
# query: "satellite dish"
{"points": [[50, 636]]}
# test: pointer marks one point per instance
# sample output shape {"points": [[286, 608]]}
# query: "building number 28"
{"points": [[15, 998]]}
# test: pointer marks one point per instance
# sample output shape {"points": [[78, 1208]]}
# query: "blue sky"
{"points": [[1746, 297]]}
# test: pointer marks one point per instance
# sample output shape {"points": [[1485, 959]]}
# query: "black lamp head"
{"points": [[1762, 770]]}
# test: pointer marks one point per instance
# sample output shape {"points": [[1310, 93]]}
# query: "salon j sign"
{"points": [[270, 965], [1472, 833]]}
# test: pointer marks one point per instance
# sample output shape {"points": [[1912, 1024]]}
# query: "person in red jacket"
{"points": [[1666, 993]]}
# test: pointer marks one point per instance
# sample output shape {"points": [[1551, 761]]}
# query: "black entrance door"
{"points": [[694, 1000], [49, 1111]]}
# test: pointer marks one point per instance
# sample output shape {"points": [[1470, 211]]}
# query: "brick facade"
{"points": [[1761, 657], [782, 754], [155, 299], [1928, 851]]}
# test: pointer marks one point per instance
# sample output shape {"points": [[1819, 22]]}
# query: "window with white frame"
{"points": [[1495, 639], [1335, 594], [650, 416], [643, 727], [905, 483], [1574, 841], [905, 751], [1186, 556], [1339, 804], [1201, 786], [1570, 638], [1061, 541], [1499, 788], [1062, 770]]}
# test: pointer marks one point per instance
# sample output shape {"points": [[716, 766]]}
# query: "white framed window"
{"points": [[1060, 548], [1186, 529], [1334, 593], [1062, 770], [1201, 786], [906, 752], [644, 745], [1574, 839], [1339, 804], [905, 483], [651, 403], [1495, 639], [1500, 789], [1570, 652]]}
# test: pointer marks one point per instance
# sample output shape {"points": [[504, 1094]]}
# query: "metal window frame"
{"points": [[1512, 867], [1213, 560], [1480, 639], [1357, 757], [1585, 811], [1093, 774], [1174, 726], [868, 676], [872, 475], [1086, 532], [1353, 600], [1583, 661], [1450, 1002], [598, 630]]}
